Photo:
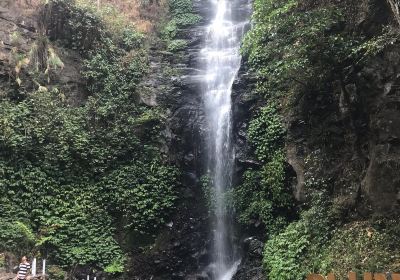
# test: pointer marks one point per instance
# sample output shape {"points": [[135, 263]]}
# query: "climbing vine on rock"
{"points": [[264, 196]]}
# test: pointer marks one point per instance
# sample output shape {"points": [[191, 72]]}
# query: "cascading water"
{"points": [[222, 62]]}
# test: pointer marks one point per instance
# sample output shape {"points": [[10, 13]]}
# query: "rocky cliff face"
{"points": [[19, 36], [181, 249], [348, 135], [351, 135]]}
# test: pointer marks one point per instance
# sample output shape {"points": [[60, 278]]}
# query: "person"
{"points": [[23, 269]]}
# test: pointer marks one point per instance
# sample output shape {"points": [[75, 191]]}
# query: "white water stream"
{"points": [[222, 62]]}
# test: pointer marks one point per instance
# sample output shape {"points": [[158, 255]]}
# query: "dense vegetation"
{"points": [[182, 15], [288, 49], [84, 180], [264, 196], [77, 180]]}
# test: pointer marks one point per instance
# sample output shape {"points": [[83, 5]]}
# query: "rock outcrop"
{"points": [[18, 40], [181, 249]]}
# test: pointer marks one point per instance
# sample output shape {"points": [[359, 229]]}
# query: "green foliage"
{"points": [[64, 147], [376, 44], [70, 175], [115, 267], [288, 48], [76, 27], [131, 39], [295, 48], [180, 7], [177, 45], [186, 19], [283, 252], [374, 248], [181, 16], [16, 236], [266, 132], [143, 201], [318, 243], [263, 196], [82, 27], [56, 272], [170, 30], [296, 251], [117, 75], [115, 22], [78, 231]]}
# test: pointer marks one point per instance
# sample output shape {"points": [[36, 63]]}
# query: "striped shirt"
{"points": [[23, 270]]}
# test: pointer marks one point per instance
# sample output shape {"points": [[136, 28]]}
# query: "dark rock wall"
{"points": [[348, 135], [180, 250], [20, 19]]}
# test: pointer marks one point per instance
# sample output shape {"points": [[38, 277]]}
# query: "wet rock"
{"points": [[251, 265], [180, 251], [254, 247]]}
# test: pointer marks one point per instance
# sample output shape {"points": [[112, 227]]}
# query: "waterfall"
{"points": [[221, 55]]}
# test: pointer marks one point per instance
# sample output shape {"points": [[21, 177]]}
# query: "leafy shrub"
{"points": [[117, 74], [283, 252], [266, 132], [76, 27], [317, 243], [180, 7], [299, 249], [131, 39], [74, 173], [177, 45], [115, 267], [170, 30], [56, 272], [79, 232], [187, 19], [289, 48], [16, 236], [263, 196], [143, 201], [181, 16]]}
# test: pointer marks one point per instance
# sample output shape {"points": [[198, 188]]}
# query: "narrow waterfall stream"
{"points": [[222, 62]]}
